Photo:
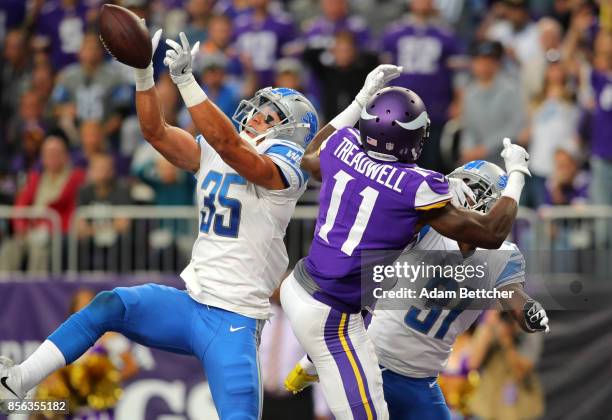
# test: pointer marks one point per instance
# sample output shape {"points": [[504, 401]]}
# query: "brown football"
{"points": [[124, 36]]}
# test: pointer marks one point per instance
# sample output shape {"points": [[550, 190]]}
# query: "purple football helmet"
{"points": [[394, 125]]}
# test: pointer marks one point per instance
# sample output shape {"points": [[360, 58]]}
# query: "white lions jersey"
{"points": [[417, 342], [239, 257]]}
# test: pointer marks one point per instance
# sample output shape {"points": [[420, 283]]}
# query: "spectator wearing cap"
{"points": [[261, 37], [214, 81], [429, 53], [553, 124], [319, 32], [492, 106], [340, 72], [516, 31], [567, 184]]}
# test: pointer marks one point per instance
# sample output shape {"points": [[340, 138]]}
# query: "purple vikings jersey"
{"points": [[602, 115], [320, 32], [263, 41], [64, 28], [424, 52], [365, 205]]}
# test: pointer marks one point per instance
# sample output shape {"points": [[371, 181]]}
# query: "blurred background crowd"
{"points": [[539, 72]]}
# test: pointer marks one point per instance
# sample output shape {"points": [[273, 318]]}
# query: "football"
{"points": [[124, 36]]}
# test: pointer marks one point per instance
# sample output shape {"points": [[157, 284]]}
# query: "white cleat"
{"points": [[8, 390]]}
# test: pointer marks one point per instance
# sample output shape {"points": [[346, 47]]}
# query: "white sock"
{"points": [[308, 366], [45, 360]]}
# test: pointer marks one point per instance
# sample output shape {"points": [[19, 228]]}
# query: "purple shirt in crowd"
{"points": [[601, 123], [424, 51], [365, 205], [64, 28], [263, 41], [320, 33]]}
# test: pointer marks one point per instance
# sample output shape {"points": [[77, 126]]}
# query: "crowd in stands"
{"points": [[537, 71]]}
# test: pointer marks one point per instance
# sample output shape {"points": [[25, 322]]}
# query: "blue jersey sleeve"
{"points": [[287, 156], [513, 271]]}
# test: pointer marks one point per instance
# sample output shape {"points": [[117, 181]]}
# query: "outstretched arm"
{"points": [[481, 230], [375, 81], [176, 145], [491, 229], [217, 130]]}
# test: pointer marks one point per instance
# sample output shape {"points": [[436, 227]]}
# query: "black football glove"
{"points": [[535, 316]]}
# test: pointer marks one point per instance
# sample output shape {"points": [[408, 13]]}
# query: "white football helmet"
{"points": [[486, 180], [299, 122]]}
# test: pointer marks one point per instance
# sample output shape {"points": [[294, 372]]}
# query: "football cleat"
{"points": [[298, 379], [8, 390]]}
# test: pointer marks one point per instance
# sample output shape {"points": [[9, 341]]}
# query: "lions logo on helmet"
{"points": [[485, 179], [298, 118]]}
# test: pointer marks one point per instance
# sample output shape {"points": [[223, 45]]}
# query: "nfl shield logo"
{"points": [[389, 146]]}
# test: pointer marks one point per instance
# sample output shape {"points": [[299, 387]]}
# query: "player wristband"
{"points": [[144, 78], [348, 117], [191, 92], [514, 187]]}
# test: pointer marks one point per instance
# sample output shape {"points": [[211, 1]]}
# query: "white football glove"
{"points": [[515, 158], [179, 59], [460, 192], [143, 78], [154, 39], [376, 80]]}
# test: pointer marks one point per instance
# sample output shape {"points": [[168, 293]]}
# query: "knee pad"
{"points": [[107, 307], [82, 329]]}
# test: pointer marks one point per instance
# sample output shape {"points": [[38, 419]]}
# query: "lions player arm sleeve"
{"points": [[175, 144], [221, 135]]}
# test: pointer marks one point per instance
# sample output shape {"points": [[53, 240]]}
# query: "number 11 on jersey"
{"points": [[369, 196]]}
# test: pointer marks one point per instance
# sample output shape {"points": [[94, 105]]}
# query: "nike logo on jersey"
{"points": [[440, 179], [4, 384], [232, 329]]}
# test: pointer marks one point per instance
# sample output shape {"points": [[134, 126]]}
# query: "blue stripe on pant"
{"points": [[414, 398], [168, 319]]}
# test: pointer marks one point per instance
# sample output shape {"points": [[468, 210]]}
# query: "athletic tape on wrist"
{"points": [[144, 78], [348, 117], [191, 92], [514, 187]]}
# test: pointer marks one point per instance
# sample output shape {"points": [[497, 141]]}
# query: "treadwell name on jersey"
{"points": [[384, 174]]}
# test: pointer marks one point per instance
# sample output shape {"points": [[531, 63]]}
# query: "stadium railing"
{"points": [[158, 239], [42, 231]]}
